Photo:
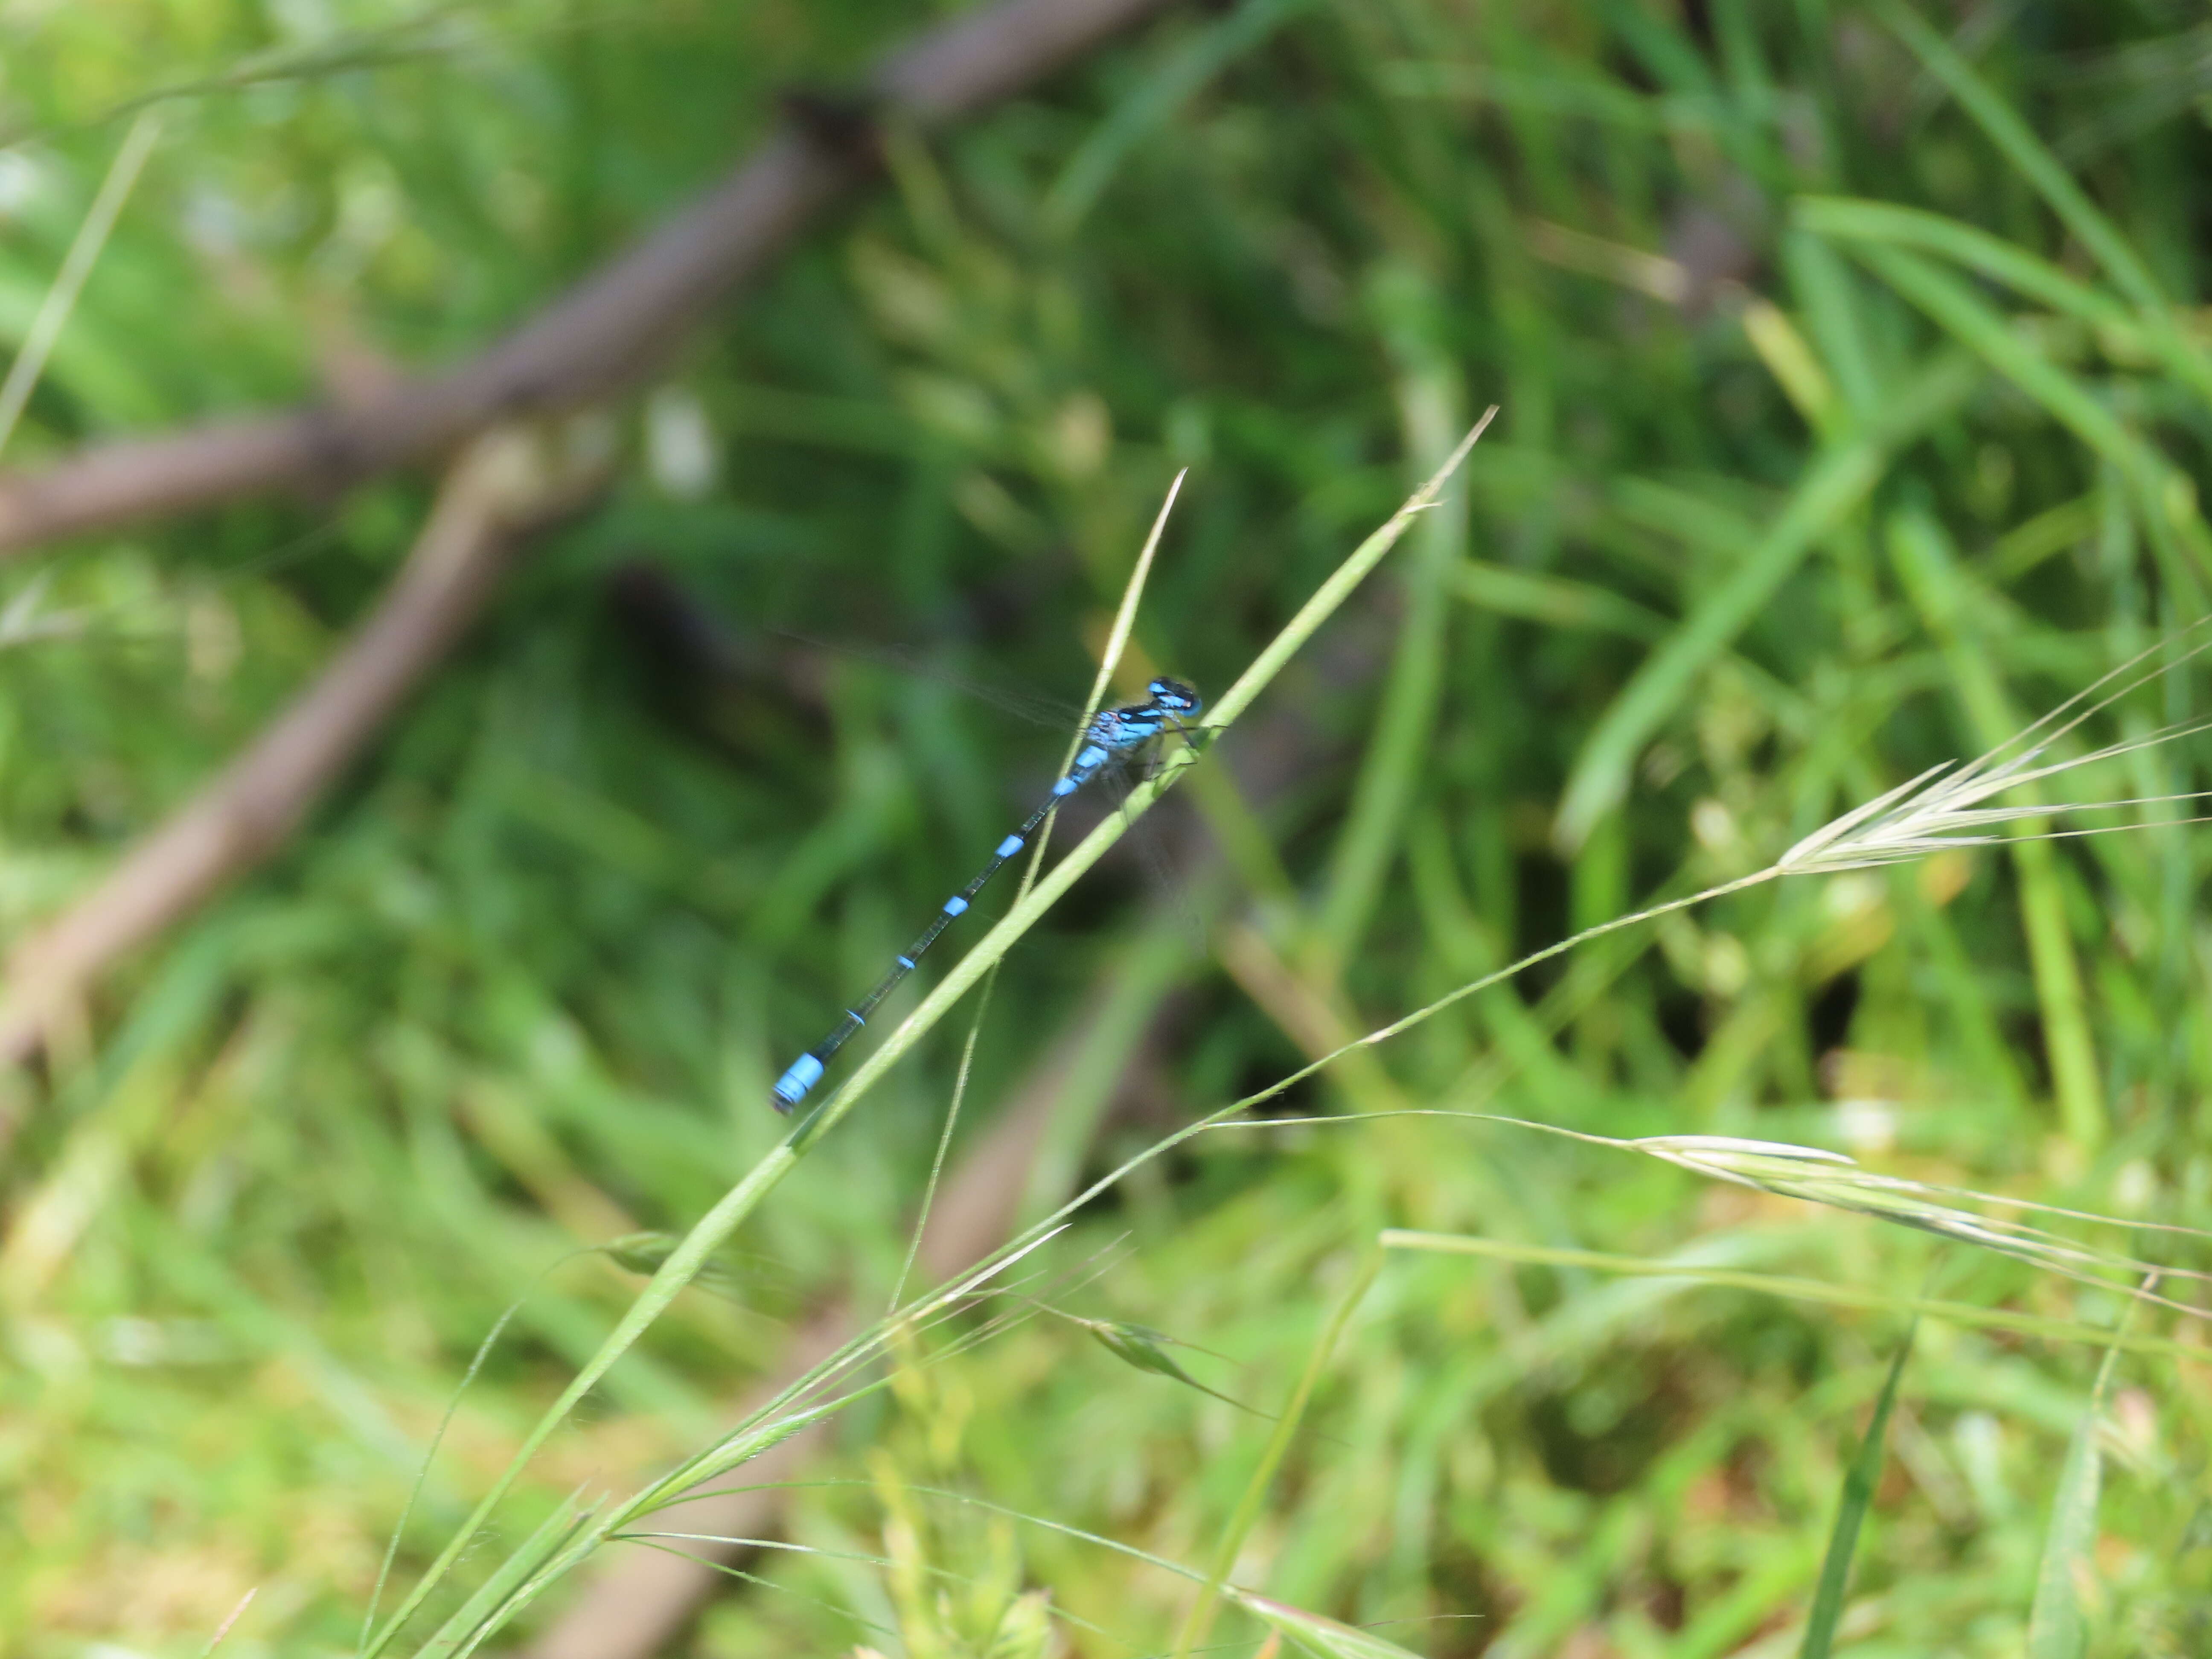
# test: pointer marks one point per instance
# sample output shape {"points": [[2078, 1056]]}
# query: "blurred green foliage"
{"points": [[1793, 495]]}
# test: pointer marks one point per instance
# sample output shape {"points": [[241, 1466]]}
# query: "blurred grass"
{"points": [[1855, 400]]}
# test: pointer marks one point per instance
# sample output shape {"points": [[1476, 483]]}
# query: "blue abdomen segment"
{"points": [[799, 1076]]}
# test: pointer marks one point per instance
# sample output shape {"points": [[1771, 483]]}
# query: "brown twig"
{"points": [[508, 482], [606, 333]]}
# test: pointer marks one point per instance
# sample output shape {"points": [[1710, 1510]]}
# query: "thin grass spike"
{"points": [[1112, 732]]}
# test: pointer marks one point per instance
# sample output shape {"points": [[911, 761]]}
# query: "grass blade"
{"points": [[437, 1438], [1430, 401], [1859, 1496], [1023, 915], [2164, 494], [1117, 641], [83, 253], [2121, 332], [1797, 1289], [1842, 218], [1834, 488], [2057, 1625], [474, 1619], [1316, 1635], [1200, 1621], [2020, 145]]}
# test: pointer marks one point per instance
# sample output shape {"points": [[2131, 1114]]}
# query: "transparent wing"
{"points": [[1035, 707]]}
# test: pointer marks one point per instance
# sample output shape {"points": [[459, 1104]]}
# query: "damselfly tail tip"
{"points": [[799, 1076]]}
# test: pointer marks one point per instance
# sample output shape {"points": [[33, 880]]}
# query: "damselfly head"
{"points": [[1175, 697]]}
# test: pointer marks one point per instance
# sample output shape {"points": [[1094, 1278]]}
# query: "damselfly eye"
{"points": [[1175, 694]]}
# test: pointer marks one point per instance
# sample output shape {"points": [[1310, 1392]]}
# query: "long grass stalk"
{"points": [[1814, 1175], [801, 1403], [1851, 1509], [713, 1229], [2057, 1622], [1109, 660], [1821, 1292], [437, 1438], [1270, 662], [1431, 403], [84, 251], [1944, 808]]}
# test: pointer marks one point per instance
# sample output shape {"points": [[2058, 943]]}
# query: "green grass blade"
{"points": [[2027, 154], [1796, 1289], [2056, 1627], [1323, 604], [1834, 488], [775, 1421], [1430, 401], [1324, 1637], [1850, 1513], [1835, 314], [472, 1619], [1200, 1622], [76, 267], [1332, 594], [1091, 168], [2164, 494], [437, 1438], [1842, 218], [683, 1264], [1109, 660]]}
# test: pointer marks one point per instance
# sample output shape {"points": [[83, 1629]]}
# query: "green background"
{"points": [[1790, 498]]}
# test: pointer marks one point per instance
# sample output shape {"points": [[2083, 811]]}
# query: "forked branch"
{"points": [[610, 332]]}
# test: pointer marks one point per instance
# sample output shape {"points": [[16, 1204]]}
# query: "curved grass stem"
{"points": [[1117, 641], [713, 1229]]}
